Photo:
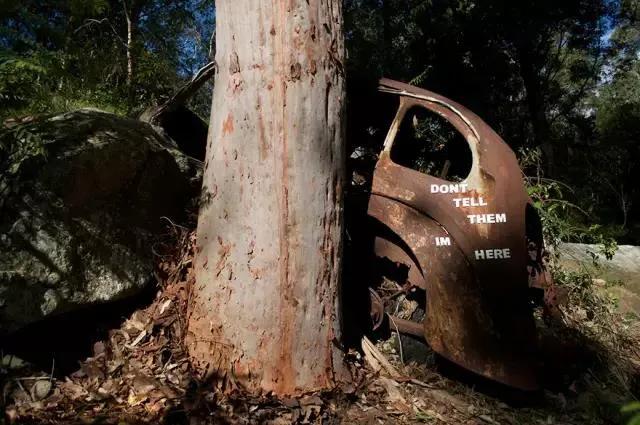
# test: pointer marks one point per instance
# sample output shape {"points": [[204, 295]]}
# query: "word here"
{"points": [[492, 254]]}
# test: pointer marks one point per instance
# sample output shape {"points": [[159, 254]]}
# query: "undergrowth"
{"points": [[590, 312]]}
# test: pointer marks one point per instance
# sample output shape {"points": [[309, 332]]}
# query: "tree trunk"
{"points": [[264, 308], [131, 18], [387, 37]]}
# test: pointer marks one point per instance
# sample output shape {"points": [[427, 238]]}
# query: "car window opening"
{"points": [[430, 144]]}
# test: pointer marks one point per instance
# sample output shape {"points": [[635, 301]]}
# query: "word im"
{"points": [[449, 188], [443, 241], [487, 218], [492, 254]]}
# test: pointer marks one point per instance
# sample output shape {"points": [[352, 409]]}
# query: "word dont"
{"points": [[493, 254], [449, 188], [487, 218]]}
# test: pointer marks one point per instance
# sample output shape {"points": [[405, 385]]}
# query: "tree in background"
{"points": [[559, 77], [120, 55], [615, 154]]}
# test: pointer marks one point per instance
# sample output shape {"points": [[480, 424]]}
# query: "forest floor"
{"points": [[141, 374]]}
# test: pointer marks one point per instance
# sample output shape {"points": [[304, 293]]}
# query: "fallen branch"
{"points": [[377, 360], [184, 93]]}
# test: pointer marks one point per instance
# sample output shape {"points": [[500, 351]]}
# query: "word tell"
{"points": [[492, 254], [469, 202]]}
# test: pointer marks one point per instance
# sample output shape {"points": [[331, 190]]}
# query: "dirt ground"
{"points": [[139, 373]]}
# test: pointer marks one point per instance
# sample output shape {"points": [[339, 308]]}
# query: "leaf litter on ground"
{"points": [[141, 374]]}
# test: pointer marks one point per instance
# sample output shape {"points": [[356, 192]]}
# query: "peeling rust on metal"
{"points": [[478, 311]]}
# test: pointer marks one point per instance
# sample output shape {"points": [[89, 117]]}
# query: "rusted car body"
{"points": [[464, 243]]}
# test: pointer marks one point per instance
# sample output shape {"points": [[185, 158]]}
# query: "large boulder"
{"points": [[623, 267], [82, 196]]}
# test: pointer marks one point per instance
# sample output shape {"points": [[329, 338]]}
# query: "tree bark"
{"points": [[131, 19], [387, 37], [264, 309]]}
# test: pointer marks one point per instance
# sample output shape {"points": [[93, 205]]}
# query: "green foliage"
{"points": [[591, 309], [88, 7], [563, 220], [37, 84], [154, 81], [633, 411], [17, 75], [596, 304], [56, 56]]}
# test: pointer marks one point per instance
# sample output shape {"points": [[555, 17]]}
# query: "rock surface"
{"points": [[623, 267], [82, 196]]}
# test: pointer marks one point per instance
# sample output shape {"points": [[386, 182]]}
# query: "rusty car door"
{"points": [[464, 243]]}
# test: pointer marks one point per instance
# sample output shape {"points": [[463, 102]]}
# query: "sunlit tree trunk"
{"points": [[131, 17], [264, 308]]}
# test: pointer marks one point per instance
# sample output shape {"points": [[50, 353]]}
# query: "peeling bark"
{"points": [[264, 309]]}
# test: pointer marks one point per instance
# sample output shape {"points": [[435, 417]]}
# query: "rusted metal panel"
{"points": [[478, 313]]}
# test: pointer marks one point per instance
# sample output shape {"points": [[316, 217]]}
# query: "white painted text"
{"points": [[440, 241], [449, 188], [493, 254], [487, 218], [469, 202]]}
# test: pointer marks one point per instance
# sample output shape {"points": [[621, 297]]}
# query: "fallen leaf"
{"points": [[392, 388], [40, 389]]}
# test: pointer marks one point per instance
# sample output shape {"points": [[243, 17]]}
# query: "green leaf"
{"points": [[631, 407]]}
